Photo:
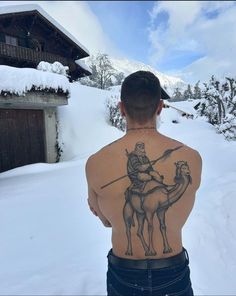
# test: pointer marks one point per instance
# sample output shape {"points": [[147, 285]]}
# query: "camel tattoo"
{"points": [[147, 195]]}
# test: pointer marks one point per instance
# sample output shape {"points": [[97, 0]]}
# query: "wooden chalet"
{"points": [[28, 35], [28, 122]]}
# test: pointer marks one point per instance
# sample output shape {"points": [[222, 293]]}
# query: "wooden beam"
{"points": [[33, 22], [184, 113]]}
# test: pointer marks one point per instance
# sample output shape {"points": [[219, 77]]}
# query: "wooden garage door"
{"points": [[21, 138]]}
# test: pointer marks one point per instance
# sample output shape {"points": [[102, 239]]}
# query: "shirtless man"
{"points": [[146, 196]]}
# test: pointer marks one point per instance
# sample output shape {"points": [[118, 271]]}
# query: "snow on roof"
{"points": [[21, 80], [83, 65], [32, 7]]}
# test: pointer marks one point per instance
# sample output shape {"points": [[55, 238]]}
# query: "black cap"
{"points": [[164, 95]]}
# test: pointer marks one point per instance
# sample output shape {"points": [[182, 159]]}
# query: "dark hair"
{"points": [[141, 94]]}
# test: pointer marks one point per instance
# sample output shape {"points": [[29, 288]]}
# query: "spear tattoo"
{"points": [[166, 154]]}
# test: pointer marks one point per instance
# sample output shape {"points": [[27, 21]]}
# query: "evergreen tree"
{"points": [[197, 93], [188, 94], [177, 94]]}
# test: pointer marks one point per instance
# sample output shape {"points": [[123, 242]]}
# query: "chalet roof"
{"points": [[83, 65], [35, 8]]}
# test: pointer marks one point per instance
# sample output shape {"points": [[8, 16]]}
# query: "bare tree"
{"points": [[103, 73]]}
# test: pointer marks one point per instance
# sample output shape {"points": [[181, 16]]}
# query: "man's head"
{"points": [[141, 96], [140, 148]]}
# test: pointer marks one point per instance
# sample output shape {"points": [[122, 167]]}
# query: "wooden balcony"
{"points": [[27, 54]]}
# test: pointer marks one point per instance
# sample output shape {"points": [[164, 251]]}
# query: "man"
{"points": [[146, 196]]}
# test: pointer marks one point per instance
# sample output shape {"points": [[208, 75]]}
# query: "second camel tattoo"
{"points": [[148, 195]]}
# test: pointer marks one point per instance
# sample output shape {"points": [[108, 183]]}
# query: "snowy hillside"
{"points": [[128, 66], [52, 245]]}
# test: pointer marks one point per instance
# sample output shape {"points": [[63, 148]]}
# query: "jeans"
{"points": [[170, 281]]}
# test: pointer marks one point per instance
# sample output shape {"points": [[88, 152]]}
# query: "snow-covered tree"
{"points": [[102, 71], [119, 78], [218, 104], [104, 75], [228, 127], [188, 94], [213, 104], [177, 94], [197, 93], [114, 116]]}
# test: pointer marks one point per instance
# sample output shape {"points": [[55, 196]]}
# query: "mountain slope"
{"points": [[129, 66]]}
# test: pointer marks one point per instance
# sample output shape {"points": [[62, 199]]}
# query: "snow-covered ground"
{"points": [[50, 242]]}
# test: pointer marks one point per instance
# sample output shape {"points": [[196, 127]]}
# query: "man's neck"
{"points": [[147, 127]]}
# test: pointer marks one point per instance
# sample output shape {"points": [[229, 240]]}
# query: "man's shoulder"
{"points": [[101, 153], [186, 150], [192, 153], [92, 161]]}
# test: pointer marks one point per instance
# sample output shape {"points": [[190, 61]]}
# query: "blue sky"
{"points": [[125, 22]]}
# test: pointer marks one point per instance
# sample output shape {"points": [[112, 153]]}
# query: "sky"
{"points": [[188, 39]]}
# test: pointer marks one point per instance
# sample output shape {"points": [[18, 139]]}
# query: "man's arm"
{"points": [[94, 207], [93, 199], [136, 165]]}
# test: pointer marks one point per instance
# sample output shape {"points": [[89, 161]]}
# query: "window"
{"points": [[11, 40]]}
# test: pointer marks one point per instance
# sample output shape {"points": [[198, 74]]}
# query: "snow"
{"points": [[52, 244], [31, 7], [55, 67], [21, 80], [185, 106], [83, 65], [85, 109]]}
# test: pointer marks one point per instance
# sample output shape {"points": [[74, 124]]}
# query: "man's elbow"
{"points": [[106, 223], [92, 209]]}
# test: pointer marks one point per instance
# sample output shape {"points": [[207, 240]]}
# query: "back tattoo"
{"points": [[148, 195]]}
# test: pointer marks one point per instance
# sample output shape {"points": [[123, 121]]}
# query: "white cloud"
{"points": [[79, 20], [164, 37], [189, 27]]}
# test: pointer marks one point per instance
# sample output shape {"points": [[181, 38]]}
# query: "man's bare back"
{"points": [[143, 186]]}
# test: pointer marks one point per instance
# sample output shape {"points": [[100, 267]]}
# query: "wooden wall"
{"points": [[40, 32]]}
